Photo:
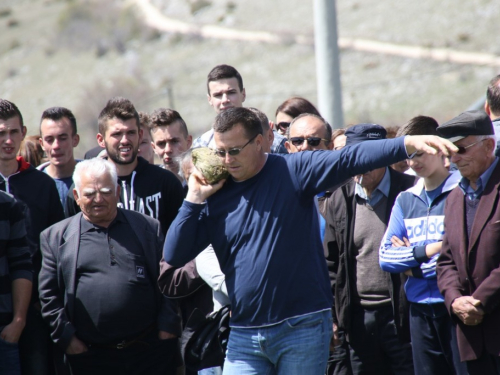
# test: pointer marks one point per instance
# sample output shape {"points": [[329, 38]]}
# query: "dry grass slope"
{"points": [[79, 53]]}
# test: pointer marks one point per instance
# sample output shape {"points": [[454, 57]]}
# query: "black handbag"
{"points": [[204, 339]]}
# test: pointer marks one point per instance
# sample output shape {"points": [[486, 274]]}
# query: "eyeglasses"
{"points": [[311, 141], [234, 151], [463, 149], [283, 125]]}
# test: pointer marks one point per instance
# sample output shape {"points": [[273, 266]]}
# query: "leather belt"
{"points": [[123, 344]]}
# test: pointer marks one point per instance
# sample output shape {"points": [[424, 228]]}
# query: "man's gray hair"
{"points": [[483, 137], [184, 159], [96, 167]]}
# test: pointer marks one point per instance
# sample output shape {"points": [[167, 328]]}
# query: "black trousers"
{"points": [[338, 362], [434, 341], [151, 356], [375, 347], [486, 364], [38, 353]]}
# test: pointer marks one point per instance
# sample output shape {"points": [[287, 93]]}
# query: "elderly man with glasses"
{"points": [[263, 224], [309, 132], [468, 268]]}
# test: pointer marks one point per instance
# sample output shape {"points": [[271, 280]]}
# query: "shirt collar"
{"points": [[87, 226], [472, 194], [382, 188]]}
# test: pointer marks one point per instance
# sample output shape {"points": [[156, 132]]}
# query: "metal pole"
{"points": [[170, 93], [328, 62]]}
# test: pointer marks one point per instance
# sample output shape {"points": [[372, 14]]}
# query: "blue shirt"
{"points": [[380, 191], [266, 239]]}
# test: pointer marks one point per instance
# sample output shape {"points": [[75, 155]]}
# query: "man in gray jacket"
{"points": [[98, 283]]}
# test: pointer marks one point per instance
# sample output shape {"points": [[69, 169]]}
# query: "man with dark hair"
{"points": [[16, 275], [492, 107], [258, 232], [411, 245], [58, 138], [468, 267], [39, 194], [146, 146], [369, 303], [419, 125], [267, 131], [225, 90], [144, 187], [170, 137], [98, 284]]}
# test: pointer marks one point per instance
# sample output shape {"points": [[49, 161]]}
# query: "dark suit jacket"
{"points": [[60, 246], [458, 277]]}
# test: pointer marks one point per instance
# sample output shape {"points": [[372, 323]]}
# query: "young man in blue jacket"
{"points": [[412, 244]]}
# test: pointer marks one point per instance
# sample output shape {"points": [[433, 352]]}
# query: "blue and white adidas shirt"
{"points": [[421, 223]]}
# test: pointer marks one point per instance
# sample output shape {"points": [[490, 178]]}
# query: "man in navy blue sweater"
{"points": [[263, 225]]}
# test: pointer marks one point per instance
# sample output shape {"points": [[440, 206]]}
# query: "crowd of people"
{"points": [[361, 250]]}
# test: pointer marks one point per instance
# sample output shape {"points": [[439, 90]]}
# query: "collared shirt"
{"points": [[481, 182], [380, 191], [115, 297]]}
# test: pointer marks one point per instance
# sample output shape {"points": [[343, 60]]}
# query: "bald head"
{"points": [[309, 132]]}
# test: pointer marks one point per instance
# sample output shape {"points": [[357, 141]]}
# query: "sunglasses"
{"points": [[463, 149], [283, 125], [234, 151], [311, 141]]}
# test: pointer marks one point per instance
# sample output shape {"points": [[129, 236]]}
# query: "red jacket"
{"points": [[457, 275]]}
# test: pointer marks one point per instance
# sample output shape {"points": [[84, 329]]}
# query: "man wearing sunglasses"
{"points": [[468, 268], [262, 223], [309, 132], [368, 301]]}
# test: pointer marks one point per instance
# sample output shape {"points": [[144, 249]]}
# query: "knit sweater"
{"points": [[15, 258]]}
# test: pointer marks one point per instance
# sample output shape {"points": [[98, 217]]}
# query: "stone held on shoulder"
{"points": [[209, 164]]}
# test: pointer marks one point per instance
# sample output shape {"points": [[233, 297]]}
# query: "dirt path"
{"points": [[155, 19]]}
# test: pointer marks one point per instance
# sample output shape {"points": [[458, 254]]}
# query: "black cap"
{"points": [[364, 132], [465, 124]]}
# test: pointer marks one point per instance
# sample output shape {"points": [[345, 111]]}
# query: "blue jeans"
{"points": [[9, 358], [297, 346]]}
